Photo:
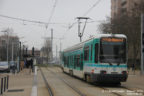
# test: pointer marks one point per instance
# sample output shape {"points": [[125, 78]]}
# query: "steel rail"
{"points": [[81, 94], [68, 84], [117, 94], [47, 85]]}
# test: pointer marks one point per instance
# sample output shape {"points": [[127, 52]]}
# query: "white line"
{"points": [[34, 88]]}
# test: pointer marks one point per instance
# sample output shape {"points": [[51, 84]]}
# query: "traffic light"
{"points": [[32, 51]]}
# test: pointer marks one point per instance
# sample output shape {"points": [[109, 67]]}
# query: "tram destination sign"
{"points": [[107, 39]]}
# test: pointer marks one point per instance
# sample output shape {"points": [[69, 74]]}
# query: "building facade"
{"points": [[10, 42], [36, 53], [121, 7]]}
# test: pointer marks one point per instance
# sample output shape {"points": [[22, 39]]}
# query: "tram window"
{"points": [[78, 60], [71, 61], [91, 51], [81, 66], [86, 53], [96, 53], [68, 61], [64, 61], [81, 59], [75, 61]]}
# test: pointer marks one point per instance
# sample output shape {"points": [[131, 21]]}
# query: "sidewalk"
{"points": [[135, 80], [20, 84]]}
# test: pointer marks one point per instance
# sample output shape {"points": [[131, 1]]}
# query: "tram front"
{"points": [[113, 59]]}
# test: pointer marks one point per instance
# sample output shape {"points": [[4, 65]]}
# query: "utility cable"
{"points": [[32, 21], [52, 12], [85, 13], [92, 7], [20, 19]]}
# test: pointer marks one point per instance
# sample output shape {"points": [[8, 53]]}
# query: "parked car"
{"points": [[4, 67]]}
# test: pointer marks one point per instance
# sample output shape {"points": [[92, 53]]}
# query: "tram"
{"points": [[99, 59]]}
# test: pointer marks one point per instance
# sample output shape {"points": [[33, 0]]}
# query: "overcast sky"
{"points": [[64, 15]]}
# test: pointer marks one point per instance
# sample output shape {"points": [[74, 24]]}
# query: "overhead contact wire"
{"points": [[85, 13], [92, 7]]}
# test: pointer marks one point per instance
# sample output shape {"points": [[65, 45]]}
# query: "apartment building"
{"points": [[121, 7], [13, 45]]}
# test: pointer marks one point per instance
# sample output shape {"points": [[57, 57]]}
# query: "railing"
{"points": [[4, 83]]}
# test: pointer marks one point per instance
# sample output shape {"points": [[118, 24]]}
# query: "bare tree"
{"points": [[130, 25]]}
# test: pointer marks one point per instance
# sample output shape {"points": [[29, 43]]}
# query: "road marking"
{"points": [[34, 88]]}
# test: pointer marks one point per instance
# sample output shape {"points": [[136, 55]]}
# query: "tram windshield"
{"points": [[113, 50]]}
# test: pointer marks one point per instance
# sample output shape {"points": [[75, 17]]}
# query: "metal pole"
{"points": [[8, 48], [1, 85], [142, 43], [4, 84], [56, 52], [12, 51], [79, 34], [23, 51], [19, 55], [7, 81], [51, 43], [60, 46], [80, 37]]}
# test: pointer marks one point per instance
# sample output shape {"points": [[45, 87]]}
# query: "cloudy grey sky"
{"points": [[65, 13]]}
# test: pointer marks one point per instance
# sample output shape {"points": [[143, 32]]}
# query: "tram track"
{"points": [[115, 91], [47, 84], [68, 84], [78, 91], [105, 89], [120, 88]]}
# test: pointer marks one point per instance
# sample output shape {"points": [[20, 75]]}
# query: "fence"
{"points": [[4, 83]]}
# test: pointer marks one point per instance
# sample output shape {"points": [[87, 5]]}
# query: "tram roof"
{"points": [[80, 45]]}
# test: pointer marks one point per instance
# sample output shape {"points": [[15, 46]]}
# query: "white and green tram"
{"points": [[100, 59]]}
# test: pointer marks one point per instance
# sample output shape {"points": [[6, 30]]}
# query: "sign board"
{"points": [[142, 44], [107, 39]]}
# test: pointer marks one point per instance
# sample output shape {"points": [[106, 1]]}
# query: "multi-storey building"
{"points": [[10, 42], [121, 7]]}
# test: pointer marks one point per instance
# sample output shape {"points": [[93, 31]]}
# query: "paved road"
{"points": [[135, 81], [20, 84], [54, 75], [65, 85]]}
